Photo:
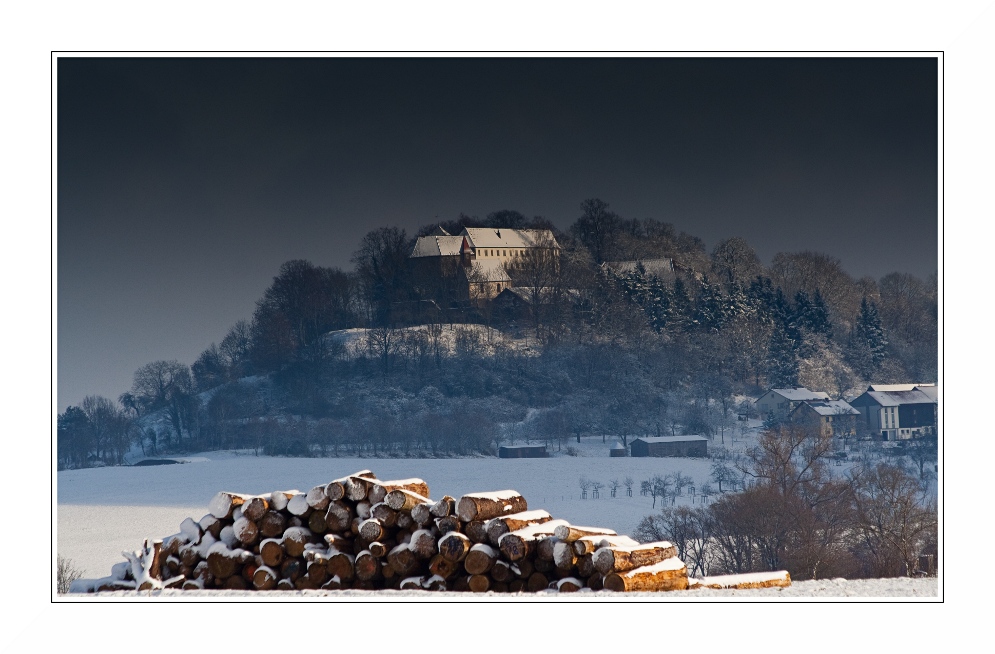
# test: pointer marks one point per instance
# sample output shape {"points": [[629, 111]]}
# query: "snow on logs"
{"points": [[365, 533]]}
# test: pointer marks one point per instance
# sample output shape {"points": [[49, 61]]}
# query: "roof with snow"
{"points": [[830, 408], [800, 394], [485, 237], [486, 270], [670, 439], [898, 398], [618, 446], [897, 387], [437, 246]]}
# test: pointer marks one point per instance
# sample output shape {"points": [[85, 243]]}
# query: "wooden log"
{"points": [[189, 556], [461, 584], [265, 578], [224, 562], [341, 565], [479, 583], [484, 506], [666, 575], [316, 522], [585, 566], [537, 581], [518, 544], [543, 566], [317, 574], [523, 569], [368, 567], [386, 515], [357, 487], [372, 530], [778, 578], [337, 489], [564, 557], [501, 571], [379, 489], [447, 524], [333, 583], [236, 582], [423, 543], [377, 549], [476, 531], [338, 516], [454, 546], [298, 505], [545, 548], [443, 567], [272, 524], [596, 582], [404, 560], [569, 585], [245, 530], [285, 584], [401, 499], [272, 552], [444, 507], [295, 539], [480, 559], [293, 569], [590, 544], [363, 508], [620, 559], [190, 532], [317, 499], [254, 508], [405, 521], [516, 585], [223, 504], [570, 533], [422, 514], [497, 527], [211, 525]]}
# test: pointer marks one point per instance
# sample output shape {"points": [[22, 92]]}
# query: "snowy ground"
{"points": [[102, 512]]}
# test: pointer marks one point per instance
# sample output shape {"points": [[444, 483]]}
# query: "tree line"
{"points": [[606, 352]]}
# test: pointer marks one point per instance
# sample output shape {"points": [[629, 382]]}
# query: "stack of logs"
{"points": [[363, 533]]}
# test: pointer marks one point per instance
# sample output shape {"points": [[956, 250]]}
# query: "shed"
{"points": [[692, 445], [617, 450], [522, 452]]}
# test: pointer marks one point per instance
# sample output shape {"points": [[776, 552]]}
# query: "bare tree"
{"points": [[66, 573]]}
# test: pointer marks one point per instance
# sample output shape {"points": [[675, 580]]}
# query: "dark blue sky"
{"points": [[184, 183]]}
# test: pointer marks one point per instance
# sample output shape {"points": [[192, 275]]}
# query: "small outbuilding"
{"points": [[522, 452], [692, 446], [617, 450]]}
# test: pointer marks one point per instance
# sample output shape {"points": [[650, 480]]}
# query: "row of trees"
{"points": [[874, 521]]}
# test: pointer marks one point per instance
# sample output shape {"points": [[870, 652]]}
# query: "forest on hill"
{"points": [[379, 361]]}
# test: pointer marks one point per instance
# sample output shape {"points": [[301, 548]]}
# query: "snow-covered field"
{"points": [[102, 512]]}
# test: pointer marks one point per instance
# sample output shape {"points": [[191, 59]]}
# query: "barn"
{"points": [[693, 446], [522, 452]]}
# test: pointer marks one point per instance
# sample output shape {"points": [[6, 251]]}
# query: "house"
{"points": [[522, 452], [897, 412], [617, 450], [782, 401], [477, 259], [833, 417], [693, 445]]}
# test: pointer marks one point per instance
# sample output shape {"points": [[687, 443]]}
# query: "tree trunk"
{"points": [[223, 504], [610, 559], [272, 552], [670, 574], [497, 527], [484, 506], [379, 490], [454, 546], [571, 533], [272, 524], [480, 559], [444, 507]]}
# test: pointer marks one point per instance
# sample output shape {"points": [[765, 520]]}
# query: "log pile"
{"points": [[360, 532]]}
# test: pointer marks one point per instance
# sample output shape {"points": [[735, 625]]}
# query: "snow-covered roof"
{"points": [[618, 446], [485, 237], [437, 246], [670, 439], [898, 398], [831, 408], [799, 394], [929, 390], [891, 387], [487, 270]]}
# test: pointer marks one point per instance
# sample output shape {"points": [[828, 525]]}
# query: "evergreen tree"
{"points": [[710, 313], [819, 316], [782, 361], [867, 340], [680, 313]]}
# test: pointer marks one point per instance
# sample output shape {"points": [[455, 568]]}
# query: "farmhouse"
{"points": [[694, 446], [898, 412], [782, 401], [833, 417]]}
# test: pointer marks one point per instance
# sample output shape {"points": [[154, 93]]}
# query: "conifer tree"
{"points": [[867, 340]]}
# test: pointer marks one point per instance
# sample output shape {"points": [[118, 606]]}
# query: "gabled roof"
{"points": [[800, 394], [437, 246], [486, 270], [485, 237], [896, 398], [830, 408], [669, 439]]}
